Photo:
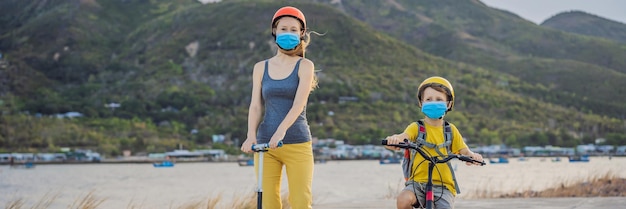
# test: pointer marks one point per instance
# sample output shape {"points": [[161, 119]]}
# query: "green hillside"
{"points": [[587, 24], [471, 32], [174, 66]]}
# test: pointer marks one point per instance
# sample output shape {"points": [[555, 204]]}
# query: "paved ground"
{"points": [[543, 203]]}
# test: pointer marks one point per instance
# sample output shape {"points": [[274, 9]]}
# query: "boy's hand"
{"points": [[477, 157], [395, 139]]}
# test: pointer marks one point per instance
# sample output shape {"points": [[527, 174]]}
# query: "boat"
{"points": [[166, 163], [500, 160], [578, 158], [26, 165], [320, 160], [246, 162], [390, 160]]}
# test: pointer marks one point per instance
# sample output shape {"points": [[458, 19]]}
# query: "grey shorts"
{"points": [[443, 196]]}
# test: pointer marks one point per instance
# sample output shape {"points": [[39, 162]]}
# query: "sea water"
{"points": [[144, 186]]}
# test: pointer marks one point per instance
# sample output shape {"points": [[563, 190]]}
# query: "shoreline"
{"points": [[146, 160], [107, 161]]}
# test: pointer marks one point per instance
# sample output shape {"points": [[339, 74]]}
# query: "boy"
{"points": [[435, 97]]}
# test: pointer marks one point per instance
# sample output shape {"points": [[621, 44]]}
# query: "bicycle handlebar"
{"points": [[417, 147], [263, 147]]}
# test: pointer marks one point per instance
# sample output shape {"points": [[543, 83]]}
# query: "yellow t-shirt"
{"points": [[441, 172]]}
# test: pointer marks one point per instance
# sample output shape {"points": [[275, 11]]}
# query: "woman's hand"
{"points": [[275, 139], [247, 145]]}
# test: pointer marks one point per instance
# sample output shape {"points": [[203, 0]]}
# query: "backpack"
{"points": [[409, 154]]}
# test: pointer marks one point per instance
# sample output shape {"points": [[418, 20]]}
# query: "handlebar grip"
{"points": [[385, 142], [264, 146], [469, 159]]}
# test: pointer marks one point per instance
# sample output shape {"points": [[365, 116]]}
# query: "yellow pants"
{"points": [[298, 160]]}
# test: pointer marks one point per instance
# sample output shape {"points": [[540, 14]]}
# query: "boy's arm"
{"points": [[409, 133], [467, 152], [459, 143]]}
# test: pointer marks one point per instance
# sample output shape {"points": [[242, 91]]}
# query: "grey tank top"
{"points": [[278, 96]]}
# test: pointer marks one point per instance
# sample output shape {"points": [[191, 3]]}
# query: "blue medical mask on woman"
{"points": [[434, 110], [287, 41]]}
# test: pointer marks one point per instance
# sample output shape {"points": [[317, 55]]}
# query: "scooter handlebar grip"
{"points": [[264, 146]]}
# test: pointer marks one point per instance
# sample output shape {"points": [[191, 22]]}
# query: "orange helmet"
{"points": [[291, 12]]}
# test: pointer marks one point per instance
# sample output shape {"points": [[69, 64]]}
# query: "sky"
{"points": [[539, 10]]}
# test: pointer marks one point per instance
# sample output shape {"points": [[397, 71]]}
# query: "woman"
{"points": [[280, 87]]}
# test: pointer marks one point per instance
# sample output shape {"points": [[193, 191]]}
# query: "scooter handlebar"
{"points": [[264, 146]]}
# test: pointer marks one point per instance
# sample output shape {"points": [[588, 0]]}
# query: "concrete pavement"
{"points": [[543, 203]]}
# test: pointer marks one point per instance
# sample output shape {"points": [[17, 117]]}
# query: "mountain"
{"points": [[471, 32], [583, 23], [181, 73]]}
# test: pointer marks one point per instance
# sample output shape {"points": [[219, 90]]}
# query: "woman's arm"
{"points": [[256, 107]]}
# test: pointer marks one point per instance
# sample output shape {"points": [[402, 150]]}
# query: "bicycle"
{"points": [[432, 161], [261, 148]]}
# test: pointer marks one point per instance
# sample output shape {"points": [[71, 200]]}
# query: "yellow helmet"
{"points": [[436, 81]]}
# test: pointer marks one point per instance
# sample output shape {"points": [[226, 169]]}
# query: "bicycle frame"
{"points": [[432, 161], [261, 148]]}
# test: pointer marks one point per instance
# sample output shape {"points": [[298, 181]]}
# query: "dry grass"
{"points": [[87, 202], [607, 185], [394, 191], [90, 201], [43, 203]]}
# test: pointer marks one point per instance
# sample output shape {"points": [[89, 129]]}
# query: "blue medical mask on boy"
{"points": [[287, 41], [434, 110]]}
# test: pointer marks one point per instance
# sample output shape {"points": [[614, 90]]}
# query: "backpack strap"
{"points": [[447, 131], [447, 134]]}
